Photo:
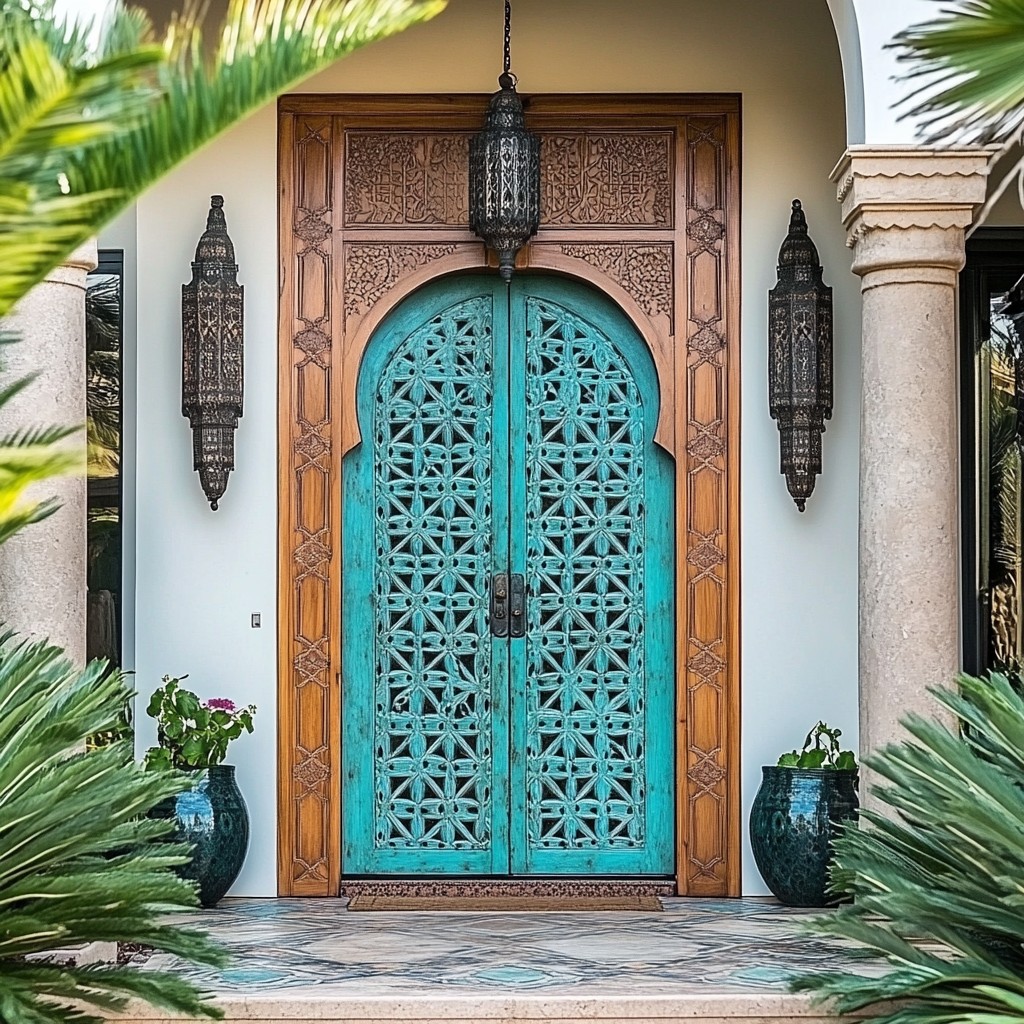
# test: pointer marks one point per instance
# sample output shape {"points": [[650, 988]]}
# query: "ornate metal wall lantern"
{"points": [[504, 172], [800, 358], [211, 354]]}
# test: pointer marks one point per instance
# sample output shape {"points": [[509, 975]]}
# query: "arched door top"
{"points": [[558, 266]]}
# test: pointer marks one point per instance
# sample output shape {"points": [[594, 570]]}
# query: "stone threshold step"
{"points": [[477, 1008]]}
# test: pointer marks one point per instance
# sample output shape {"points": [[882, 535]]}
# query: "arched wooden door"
{"points": [[508, 622]]}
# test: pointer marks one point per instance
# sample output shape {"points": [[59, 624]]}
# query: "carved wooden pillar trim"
{"points": [[641, 199]]}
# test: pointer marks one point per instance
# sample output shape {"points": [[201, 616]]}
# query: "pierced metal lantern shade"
{"points": [[504, 178], [211, 354], [800, 357]]}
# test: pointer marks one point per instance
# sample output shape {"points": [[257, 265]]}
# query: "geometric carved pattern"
{"points": [[614, 178], [372, 269], [432, 664], [308, 694], [400, 178], [644, 270], [707, 644], [585, 526], [587, 178], [604, 189]]}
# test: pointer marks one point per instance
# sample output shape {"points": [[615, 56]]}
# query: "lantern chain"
{"points": [[508, 35]]}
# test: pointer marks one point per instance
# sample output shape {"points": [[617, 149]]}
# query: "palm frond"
{"points": [[79, 861], [944, 863], [968, 64], [50, 109], [87, 176], [28, 456]]}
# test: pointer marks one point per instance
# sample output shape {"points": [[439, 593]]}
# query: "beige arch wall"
{"points": [[199, 575]]}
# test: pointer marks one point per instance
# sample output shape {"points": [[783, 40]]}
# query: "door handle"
{"points": [[518, 605], [499, 604], [508, 605]]}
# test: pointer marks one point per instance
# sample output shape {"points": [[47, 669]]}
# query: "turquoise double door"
{"points": [[508, 602]]}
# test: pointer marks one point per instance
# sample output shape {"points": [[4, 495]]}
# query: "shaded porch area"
{"points": [[697, 960]]}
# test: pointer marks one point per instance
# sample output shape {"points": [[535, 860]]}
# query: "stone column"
{"points": [[42, 569], [905, 210]]}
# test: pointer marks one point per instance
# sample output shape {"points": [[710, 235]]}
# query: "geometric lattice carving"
{"points": [[372, 269], [614, 178], [406, 178], [432, 656], [644, 270], [587, 178], [585, 549]]}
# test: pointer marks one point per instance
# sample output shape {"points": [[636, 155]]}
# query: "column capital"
{"points": [[74, 268], [906, 208]]}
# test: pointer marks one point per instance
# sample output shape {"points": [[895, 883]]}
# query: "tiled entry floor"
{"points": [[700, 959]]}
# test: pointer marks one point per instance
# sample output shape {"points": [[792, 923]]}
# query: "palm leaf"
{"points": [[79, 861], [945, 863], [968, 64], [266, 47]]}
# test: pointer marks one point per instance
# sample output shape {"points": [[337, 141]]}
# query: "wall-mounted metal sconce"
{"points": [[504, 172], [211, 354], [800, 358]]}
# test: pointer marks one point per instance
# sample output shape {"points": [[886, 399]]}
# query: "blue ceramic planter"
{"points": [[212, 817], [796, 815]]}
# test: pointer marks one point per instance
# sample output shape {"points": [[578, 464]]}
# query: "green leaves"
{"points": [[54, 104], [824, 753], [79, 860], [27, 457], [82, 137], [190, 733], [944, 864], [969, 62]]}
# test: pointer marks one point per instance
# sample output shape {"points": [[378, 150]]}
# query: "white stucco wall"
{"points": [[200, 575]]}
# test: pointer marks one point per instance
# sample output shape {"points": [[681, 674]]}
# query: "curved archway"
{"points": [[844, 17], [655, 336]]}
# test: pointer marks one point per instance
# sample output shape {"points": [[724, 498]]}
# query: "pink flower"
{"points": [[220, 704]]}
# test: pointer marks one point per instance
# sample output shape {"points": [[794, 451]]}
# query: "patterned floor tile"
{"points": [[316, 948]]}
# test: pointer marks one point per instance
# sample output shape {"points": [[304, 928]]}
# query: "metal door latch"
{"points": [[499, 604], [518, 605], [508, 605]]}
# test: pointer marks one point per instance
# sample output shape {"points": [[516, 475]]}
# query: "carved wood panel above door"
{"points": [[640, 197]]}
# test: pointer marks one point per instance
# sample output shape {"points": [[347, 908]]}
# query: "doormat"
{"points": [[504, 903]]}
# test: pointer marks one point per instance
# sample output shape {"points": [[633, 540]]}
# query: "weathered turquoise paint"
{"points": [[508, 431]]}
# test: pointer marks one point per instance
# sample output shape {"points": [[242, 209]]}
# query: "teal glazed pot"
{"points": [[795, 817], [212, 817]]}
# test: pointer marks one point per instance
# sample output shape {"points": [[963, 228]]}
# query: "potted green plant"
{"points": [[193, 737], [799, 809]]}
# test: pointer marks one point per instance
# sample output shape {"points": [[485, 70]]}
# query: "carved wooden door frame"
{"points": [[640, 198]]}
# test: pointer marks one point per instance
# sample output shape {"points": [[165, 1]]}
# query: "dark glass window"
{"points": [[992, 427], [104, 304]]}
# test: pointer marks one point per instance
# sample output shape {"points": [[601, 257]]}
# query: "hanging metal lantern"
{"points": [[211, 354], [800, 357], [504, 172]]}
